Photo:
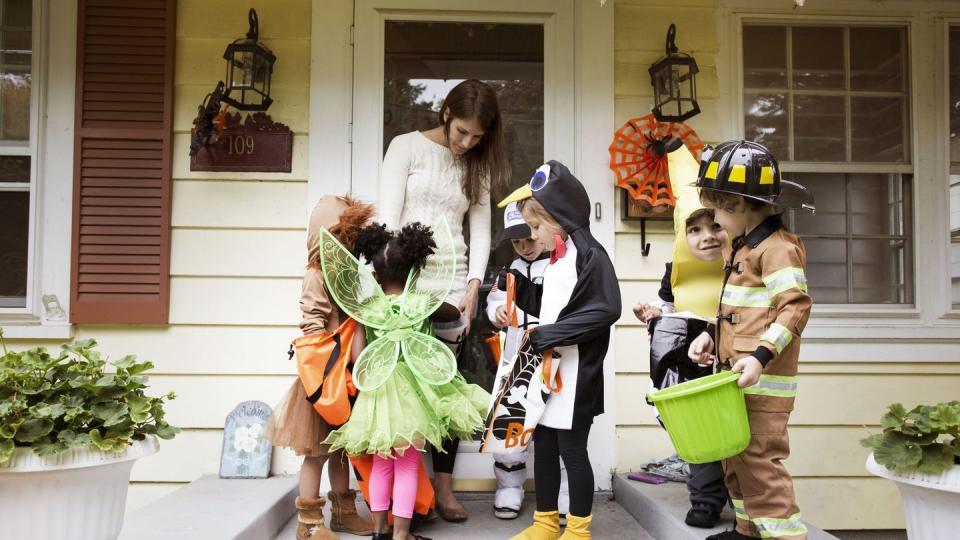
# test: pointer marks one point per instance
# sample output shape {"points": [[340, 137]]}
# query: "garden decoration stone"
{"points": [[246, 453]]}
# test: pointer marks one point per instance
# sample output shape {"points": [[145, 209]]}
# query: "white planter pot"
{"points": [[77, 494], [931, 502]]}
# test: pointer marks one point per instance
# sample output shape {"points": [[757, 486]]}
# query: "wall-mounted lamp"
{"points": [[249, 68], [674, 83]]}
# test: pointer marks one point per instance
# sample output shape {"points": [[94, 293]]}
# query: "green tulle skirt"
{"points": [[406, 412]]}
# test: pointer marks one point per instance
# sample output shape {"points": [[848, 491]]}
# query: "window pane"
{"points": [[827, 270], [879, 272], [764, 57], [14, 228], [817, 57], [877, 204], [831, 216], [15, 169], [15, 76], [877, 130], [876, 59], [765, 121], [819, 132]]}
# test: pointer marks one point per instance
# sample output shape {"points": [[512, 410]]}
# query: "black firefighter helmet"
{"points": [[748, 169]]}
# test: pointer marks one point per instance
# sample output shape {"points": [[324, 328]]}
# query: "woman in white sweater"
{"points": [[450, 170]]}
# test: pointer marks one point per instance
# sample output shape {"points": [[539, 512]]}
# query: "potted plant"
{"points": [[70, 430], [920, 451]]}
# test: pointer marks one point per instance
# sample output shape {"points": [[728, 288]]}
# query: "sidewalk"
{"points": [[610, 522]]}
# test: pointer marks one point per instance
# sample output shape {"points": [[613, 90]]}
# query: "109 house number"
{"points": [[240, 144]]}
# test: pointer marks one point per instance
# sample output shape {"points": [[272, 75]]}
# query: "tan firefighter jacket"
{"points": [[764, 307]]}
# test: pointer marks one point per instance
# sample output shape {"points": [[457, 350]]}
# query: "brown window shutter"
{"points": [[122, 161]]}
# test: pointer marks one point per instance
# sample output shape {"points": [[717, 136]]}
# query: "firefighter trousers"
{"points": [[760, 487]]}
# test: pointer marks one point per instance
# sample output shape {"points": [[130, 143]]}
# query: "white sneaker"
{"points": [[506, 513]]}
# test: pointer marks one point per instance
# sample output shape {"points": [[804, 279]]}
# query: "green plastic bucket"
{"points": [[706, 418]]}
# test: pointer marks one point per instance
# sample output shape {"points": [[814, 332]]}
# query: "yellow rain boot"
{"points": [[577, 527], [546, 526]]}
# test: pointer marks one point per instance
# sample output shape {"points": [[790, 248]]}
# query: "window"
{"points": [[954, 53], [831, 102], [16, 151]]}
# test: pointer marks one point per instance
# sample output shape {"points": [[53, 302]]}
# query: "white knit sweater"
{"points": [[419, 181]]}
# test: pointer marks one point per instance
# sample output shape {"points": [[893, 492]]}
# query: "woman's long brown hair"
{"points": [[487, 161]]}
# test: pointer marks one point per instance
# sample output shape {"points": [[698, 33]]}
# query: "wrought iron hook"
{"points": [[671, 46], [254, 32]]}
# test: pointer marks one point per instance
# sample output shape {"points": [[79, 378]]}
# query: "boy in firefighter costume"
{"points": [[764, 307], [577, 304], [688, 297], [511, 469]]}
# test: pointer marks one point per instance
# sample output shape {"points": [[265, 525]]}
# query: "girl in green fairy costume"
{"points": [[411, 394]]}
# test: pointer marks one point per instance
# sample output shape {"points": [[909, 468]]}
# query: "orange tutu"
{"points": [[296, 425]]}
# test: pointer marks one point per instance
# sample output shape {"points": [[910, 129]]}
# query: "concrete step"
{"points": [[212, 508], [610, 522], [660, 509]]}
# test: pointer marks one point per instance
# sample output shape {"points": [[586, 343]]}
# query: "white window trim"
{"points": [[931, 317], [942, 86], [52, 131]]}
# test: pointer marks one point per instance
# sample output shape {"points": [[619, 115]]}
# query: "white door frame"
{"points": [[346, 151]]}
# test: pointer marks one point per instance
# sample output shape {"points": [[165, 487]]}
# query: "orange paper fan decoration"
{"points": [[638, 162]]}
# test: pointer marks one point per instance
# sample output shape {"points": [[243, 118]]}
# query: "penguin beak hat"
{"points": [[560, 193]]}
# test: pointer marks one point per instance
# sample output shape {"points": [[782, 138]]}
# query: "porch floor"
{"points": [[610, 522]]}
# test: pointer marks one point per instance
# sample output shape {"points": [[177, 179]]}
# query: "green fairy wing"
{"points": [[429, 359], [427, 289], [350, 283], [376, 364]]}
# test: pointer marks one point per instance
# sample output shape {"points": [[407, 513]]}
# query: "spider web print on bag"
{"points": [[638, 168], [510, 406]]}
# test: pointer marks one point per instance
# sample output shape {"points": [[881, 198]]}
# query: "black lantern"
{"points": [[249, 67], [674, 83]]}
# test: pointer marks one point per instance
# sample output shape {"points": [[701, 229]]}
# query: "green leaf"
{"points": [[166, 431], [898, 410], [111, 412], [34, 429], [137, 369], [873, 441], [139, 408], [945, 417], [44, 449], [126, 362], [47, 410], [106, 380], [936, 459], [897, 451], [97, 440], [6, 449]]}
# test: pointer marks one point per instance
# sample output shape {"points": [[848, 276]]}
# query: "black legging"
{"points": [[549, 446], [443, 462]]}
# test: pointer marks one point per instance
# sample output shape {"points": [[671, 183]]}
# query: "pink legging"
{"points": [[398, 474]]}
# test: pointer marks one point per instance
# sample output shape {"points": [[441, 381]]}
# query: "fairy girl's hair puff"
{"points": [[394, 253]]}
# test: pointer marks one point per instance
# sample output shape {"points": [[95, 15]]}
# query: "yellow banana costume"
{"points": [[696, 284]]}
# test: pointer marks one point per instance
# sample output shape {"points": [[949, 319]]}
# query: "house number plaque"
{"points": [[256, 144]]}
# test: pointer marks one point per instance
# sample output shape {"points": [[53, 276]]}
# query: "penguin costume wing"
{"points": [[594, 304]]}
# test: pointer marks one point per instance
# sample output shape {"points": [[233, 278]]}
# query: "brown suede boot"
{"points": [[343, 514], [310, 518]]}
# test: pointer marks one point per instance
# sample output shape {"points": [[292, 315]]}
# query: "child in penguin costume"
{"points": [[577, 303]]}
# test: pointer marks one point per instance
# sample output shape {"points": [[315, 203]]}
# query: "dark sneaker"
{"points": [[703, 516], [506, 513], [730, 535]]}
